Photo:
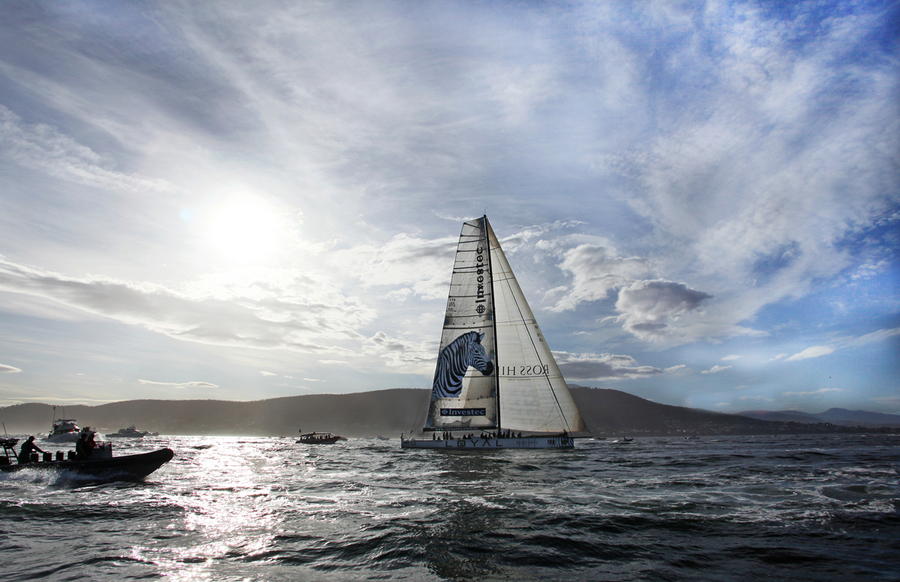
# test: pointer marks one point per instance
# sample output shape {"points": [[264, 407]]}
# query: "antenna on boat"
{"points": [[4, 429]]}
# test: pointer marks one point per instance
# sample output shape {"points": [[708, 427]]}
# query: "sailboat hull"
{"points": [[546, 442]]}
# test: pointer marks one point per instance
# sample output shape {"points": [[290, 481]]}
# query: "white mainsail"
{"points": [[495, 371], [464, 396]]}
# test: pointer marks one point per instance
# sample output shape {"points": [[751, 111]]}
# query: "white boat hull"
{"points": [[69, 437], [547, 442]]}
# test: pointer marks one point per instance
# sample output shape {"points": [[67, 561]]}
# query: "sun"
{"points": [[245, 230]]}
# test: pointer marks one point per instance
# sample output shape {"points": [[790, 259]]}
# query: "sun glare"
{"points": [[245, 230]]}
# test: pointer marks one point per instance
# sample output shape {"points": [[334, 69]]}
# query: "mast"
{"points": [[487, 240]]}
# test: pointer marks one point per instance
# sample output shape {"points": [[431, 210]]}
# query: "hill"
{"points": [[384, 412], [840, 416], [359, 414]]}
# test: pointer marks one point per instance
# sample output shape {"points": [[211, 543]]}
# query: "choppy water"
{"points": [[738, 508]]}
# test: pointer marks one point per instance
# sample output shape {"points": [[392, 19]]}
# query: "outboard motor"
{"points": [[48, 457], [60, 455]]}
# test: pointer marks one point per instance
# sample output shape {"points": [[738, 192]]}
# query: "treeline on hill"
{"points": [[380, 413]]}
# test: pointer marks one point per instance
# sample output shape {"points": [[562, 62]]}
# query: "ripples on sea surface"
{"points": [[732, 508]]}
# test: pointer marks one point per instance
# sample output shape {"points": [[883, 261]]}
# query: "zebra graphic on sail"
{"points": [[453, 362]]}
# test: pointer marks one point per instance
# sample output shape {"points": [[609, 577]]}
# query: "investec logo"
{"points": [[479, 297], [463, 412]]}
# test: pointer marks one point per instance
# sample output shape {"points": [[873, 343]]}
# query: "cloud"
{"points": [[874, 337], [650, 308], [407, 265], [4, 369], [413, 356], [811, 352], [812, 392], [264, 373], [595, 271], [43, 148], [863, 340], [601, 367], [751, 178], [889, 402], [180, 384], [754, 399], [265, 309], [715, 370], [730, 358]]}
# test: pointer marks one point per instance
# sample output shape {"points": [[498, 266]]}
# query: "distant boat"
{"points": [[496, 380], [131, 432], [65, 430], [105, 467], [624, 440], [319, 438]]}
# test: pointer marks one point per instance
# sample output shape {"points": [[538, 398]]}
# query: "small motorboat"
{"points": [[130, 433], [101, 466], [65, 430], [319, 438]]}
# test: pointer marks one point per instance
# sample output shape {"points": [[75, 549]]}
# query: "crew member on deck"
{"points": [[25, 452], [83, 448]]}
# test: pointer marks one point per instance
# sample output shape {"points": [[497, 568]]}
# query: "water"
{"points": [[736, 508]]}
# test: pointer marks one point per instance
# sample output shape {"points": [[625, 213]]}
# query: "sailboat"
{"points": [[496, 384]]}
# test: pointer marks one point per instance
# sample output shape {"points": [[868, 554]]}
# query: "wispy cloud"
{"points": [[43, 148], [264, 314], [812, 392], [863, 340], [180, 384], [602, 367], [8, 369], [757, 398], [811, 352], [874, 337], [715, 370]]}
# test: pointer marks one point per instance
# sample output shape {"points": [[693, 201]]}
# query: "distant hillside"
{"points": [[384, 412], [612, 412], [840, 416], [861, 417], [781, 416]]}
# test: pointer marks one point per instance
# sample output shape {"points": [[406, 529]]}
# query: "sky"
{"points": [[243, 200]]}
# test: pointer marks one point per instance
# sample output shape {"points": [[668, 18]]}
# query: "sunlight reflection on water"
{"points": [[270, 509]]}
